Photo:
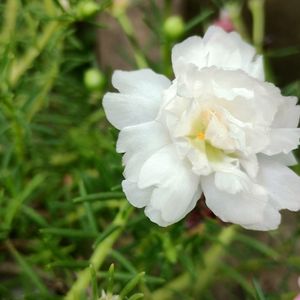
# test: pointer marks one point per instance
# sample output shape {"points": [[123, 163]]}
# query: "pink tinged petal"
{"points": [[136, 196], [176, 186], [143, 82], [282, 140], [140, 142], [250, 210], [282, 184]]}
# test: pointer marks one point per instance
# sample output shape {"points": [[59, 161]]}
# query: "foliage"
{"points": [[66, 230]]}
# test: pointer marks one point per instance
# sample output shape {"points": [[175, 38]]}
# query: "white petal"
{"points": [[229, 51], [282, 140], [176, 186], [288, 159], [127, 110], [158, 168], [147, 136], [217, 48], [136, 196], [233, 181], [143, 82], [250, 165], [140, 142], [174, 201], [155, 216], [189, 51], [288, 114], [270, 221], [282, 184], [250, 210]]}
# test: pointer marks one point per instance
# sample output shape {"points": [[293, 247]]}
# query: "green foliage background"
{"points": [[66, 230]]}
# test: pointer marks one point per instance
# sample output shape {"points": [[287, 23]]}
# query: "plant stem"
{"points": [[22, 65], [100, 253], [257, 9], [10, 17], [205, 273], [128, 29]]}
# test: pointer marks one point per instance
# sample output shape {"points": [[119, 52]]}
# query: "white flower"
{"points": [[108, 296], [217, 128]]}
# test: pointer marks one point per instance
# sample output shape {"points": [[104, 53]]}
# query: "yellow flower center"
{"points": [[201, 136]]}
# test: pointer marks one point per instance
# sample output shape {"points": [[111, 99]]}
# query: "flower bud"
{"points": [[93, 79], [87, 9], [173, 27], [224, 21]]}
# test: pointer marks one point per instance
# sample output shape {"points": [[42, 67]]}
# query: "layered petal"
{"points": [[143, 82], [282, 140], [252, 209], [140, 142], [139, 99], [176, 186], [136, 196], [220, 49], [281, 183], [127, 110]]}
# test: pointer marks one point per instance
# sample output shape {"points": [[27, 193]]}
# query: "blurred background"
{"points": [[60, 195]]}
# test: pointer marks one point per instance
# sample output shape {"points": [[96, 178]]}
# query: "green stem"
{"points": [[99, 255], [211, 261], [22, 65], [257, 10], [128, 29], [10, 17]]}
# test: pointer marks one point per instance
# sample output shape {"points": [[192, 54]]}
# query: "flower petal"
{"points": [[249, 209], [127, 110], [288, 114], [136, 196], [150, 136], [282, 184], [143, 82], [217, 48], [288, 159], [140, 142], [282, 140], [176, 186], [139, 99]]}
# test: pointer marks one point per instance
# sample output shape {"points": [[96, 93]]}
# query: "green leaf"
{"points": [[258, 290], [99, 196], [27, 269], [258, 246], [198, 19], [66, 232], [108, 231], [131, 284]]}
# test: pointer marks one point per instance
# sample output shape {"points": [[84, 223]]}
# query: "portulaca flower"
{"points": [[218, 128]]}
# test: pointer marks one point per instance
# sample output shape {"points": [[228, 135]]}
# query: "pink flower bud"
{"points": [[224, 21]]}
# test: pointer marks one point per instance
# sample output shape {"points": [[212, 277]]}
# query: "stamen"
{"points": [[201, 136]]}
